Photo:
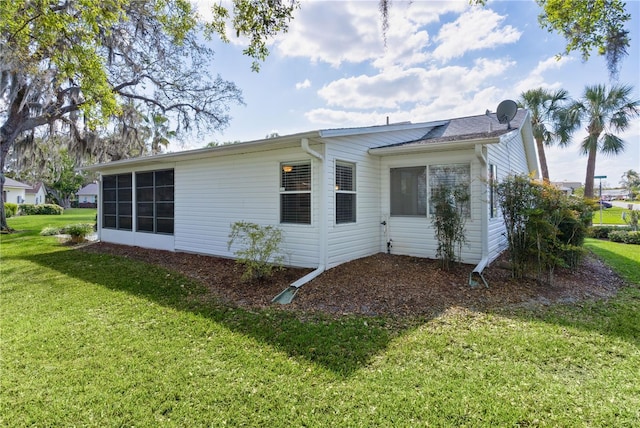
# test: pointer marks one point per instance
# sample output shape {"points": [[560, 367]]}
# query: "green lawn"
{"points": [[611, 215], [99, 340]]}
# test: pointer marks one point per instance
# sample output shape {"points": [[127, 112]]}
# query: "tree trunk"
{"points": [[544, 169], [591, 172]]}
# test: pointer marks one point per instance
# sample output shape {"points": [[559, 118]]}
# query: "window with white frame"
{"points": [[155, 201], [408, 191], [345, 192], [117, 201], [295, 192], [450, 176], [493, 197]]}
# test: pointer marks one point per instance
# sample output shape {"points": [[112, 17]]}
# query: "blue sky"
{"points": [[442, 60]]}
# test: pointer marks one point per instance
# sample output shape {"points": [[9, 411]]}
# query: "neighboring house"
{"points": [[337, 194], [88, 196], [14, 191], [568, 187], [36, 195]]}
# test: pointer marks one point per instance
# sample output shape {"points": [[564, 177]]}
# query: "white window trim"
{"points": [[337, 191]]}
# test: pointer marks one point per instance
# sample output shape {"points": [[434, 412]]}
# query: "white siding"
{"points": [[415, 235], [213, 193], [510, 158], [349, 241]]}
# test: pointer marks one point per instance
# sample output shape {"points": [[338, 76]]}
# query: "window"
{"points": [[345, 193], [116, 201], [295, 193], [409, 191], [154, 201], [451, 176], [493, 197]]}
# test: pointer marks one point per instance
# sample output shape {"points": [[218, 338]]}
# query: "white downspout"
{"points": [[99, 207], [484, 227], [287, 295]]}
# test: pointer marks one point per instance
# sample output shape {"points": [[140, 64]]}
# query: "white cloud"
{"points": [[395, 87], [535, 78], [303, 85], [475, 29]]}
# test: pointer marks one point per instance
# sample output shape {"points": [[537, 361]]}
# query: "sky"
{"points": [[442, 59]]}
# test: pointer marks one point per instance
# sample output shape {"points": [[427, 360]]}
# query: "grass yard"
{"points": [[98, 340], [611, 215]]}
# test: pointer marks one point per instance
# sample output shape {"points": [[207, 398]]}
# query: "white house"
{"points": [[35, 195], [88, 196], [14, 191], [337, 194]]}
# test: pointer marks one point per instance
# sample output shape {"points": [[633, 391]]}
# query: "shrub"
{"points": [[50, 231], [448, 220], [10, 209], [78, 232], [625, 237], [544, 227], [44, 209], [260, 252], [602, 232], [631, 218]]}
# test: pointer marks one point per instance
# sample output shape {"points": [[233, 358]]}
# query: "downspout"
{"points": [[99, 209], [484, 229], [287, 295]]}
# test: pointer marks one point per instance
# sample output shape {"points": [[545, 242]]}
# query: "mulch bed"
{"points": [[382, 284]]}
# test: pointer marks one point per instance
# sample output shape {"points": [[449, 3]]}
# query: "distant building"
{"points": [[88, 196], [569, 187], [14, 191]]}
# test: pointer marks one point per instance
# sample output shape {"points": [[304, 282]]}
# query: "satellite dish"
{"points": [[506, 111]]}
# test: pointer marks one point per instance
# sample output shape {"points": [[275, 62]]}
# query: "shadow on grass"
{"points": [[341, 345]]}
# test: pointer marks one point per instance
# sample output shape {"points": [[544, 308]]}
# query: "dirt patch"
{"points": [[382, 284]]}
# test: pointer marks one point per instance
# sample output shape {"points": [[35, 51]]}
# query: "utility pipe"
{"points": [[484, 229], [287, 295]]}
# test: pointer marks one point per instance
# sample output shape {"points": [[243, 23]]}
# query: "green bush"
{"points": [[78, 232], [50, 231], [44, 209], [260, 254], [602, 232], [10, 209], [625, 237]]}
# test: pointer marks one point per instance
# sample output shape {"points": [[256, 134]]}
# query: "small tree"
{"points": [[450, 206], [260, 252]]}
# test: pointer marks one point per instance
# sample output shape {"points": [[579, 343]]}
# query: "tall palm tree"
{"points": [[546, 109], [607, 112]]}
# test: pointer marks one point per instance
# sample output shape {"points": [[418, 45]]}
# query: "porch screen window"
{"points": [[345, 193], [116, 201], [450, 176], [409, 191], [295, 193], [154, 201]]}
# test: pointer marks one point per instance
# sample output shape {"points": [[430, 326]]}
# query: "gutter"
{"points": [[484, 230], [287, 295]]}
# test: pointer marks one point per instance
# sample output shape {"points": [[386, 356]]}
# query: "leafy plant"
{"points": [[50, 231], [449, 219], [260, 252], [631, 218], [545, 228], [625, 237], [78, 232], [43, 209], [10, 209]]}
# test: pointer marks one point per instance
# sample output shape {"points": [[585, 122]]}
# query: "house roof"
{"points": [[292, 140], [35, 189], [89, 189], [447, 134], [10, 182], [464, 129]]}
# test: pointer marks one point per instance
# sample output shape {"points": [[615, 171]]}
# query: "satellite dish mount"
{"points": [[506, 111]]}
